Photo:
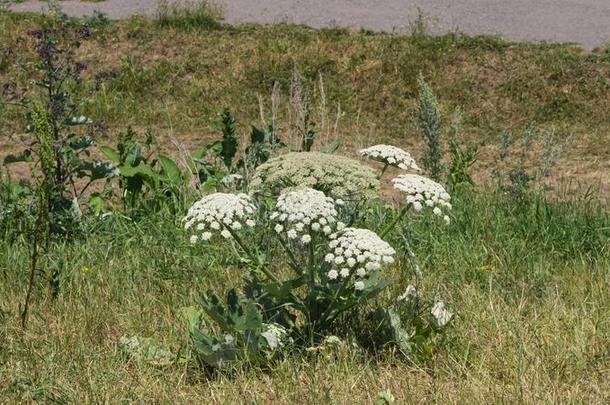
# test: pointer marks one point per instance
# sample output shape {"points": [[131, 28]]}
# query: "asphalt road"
{"points": [[586, 22]]}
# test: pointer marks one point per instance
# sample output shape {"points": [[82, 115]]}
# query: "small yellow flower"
{"points": [[85, 270], [486, 268]]}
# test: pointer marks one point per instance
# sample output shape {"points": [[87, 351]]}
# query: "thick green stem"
{"points": [[252, 257], [385, 167], [312, 276], [261, 266], [293, 261], [392, 224], [413, 260], [338, 293]]}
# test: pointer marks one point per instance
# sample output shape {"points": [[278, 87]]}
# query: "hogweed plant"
{"points": [[305, 272]]}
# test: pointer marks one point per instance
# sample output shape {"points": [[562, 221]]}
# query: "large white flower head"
{"points": [[391, 155], [423, 192], [357, 251], [219, 213], [302, 213]]}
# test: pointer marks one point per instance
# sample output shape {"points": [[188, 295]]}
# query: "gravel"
{"points": [[586, 22]]}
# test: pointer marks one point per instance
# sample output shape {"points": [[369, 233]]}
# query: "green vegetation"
{"points": [[121, 300]]}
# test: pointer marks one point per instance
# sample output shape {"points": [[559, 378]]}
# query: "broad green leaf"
{"points": [[111, 154], [96, 203], [170, 169]]}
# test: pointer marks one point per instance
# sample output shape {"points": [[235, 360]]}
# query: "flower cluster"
{"points": [[275, 335], [357, 251], [409, 295], [390, 155], [337, 176], [303, 212], [421, 191], [219, 212], [441, 314]]}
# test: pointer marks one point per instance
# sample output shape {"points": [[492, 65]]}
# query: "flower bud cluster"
{"points": [[357, 251], [423, 192], [219, 213], [441, 314], [304, 212], [390, 155]]}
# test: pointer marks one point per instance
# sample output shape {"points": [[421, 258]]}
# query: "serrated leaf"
{"points": [[330, 148], [20, 157]]}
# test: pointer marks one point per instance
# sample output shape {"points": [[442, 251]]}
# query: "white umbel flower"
{"points": [[275, 335], [303, 213], [391, 155], [217, 213], [423, 192], [362, 246], [441, 314]]}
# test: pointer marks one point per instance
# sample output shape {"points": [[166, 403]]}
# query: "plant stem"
{"points": [[312, 276], [293, 261], [385, 167], [387, 230], [413, 261], [252, 257], [340, 290]]}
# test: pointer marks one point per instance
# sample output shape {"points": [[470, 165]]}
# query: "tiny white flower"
{"points": [[236, 226], [292, 234], [329, 258], [250, 223], [315, 226], [447, 219], [278, 228], [359, 285], [332, 275], [193, 239], [351, 262], [339, 259], [206, 236], [344, 273], [225, 234], [306, 239], [361, 272]]}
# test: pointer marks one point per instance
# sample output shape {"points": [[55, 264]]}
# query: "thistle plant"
{"points": [[309, 272], [429, 119]]}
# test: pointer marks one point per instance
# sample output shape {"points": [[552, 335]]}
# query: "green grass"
{"points": [[530, 290]]}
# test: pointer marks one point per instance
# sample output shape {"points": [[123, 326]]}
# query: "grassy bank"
{"points": [[176, 74]]}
